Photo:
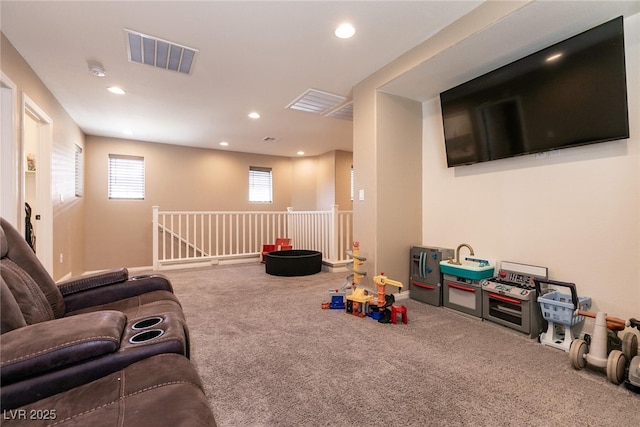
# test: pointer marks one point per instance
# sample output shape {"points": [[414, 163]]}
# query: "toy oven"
{"points": [[518, 314], [462, 294], [510, 299]]}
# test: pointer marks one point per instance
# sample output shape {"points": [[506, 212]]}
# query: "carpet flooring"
{"points": [[268, 355]]}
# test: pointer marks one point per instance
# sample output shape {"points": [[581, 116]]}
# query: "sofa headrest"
{"points": [[19, 252], [4, 245]]}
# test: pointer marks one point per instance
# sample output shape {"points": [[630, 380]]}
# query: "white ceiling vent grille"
{"points": [[323, 103], [316, 101], [156, 52], [344, 112]]}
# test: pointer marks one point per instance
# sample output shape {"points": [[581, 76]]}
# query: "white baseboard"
{"points": [[65, 277], [401, 296]]}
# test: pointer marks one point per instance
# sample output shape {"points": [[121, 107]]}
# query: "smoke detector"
{"points": [[96, 70]]}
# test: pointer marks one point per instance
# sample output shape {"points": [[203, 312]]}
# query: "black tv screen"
{"points": [[569, 94]]}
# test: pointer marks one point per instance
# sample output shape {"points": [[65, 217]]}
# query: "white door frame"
{"points": [[10, 208], [44, 202]]}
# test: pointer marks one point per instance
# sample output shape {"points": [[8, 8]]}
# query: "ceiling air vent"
{"points": [[344, 112], [156, 52], [316, 101], [323, 103]]}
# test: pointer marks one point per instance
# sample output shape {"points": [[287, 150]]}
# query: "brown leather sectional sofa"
{"points": [[101, 349]]}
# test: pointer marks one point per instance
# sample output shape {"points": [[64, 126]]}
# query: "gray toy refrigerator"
{"points": [[425, 282]]}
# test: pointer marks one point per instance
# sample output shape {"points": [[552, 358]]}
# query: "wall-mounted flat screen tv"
{"points": [[569, 94]]}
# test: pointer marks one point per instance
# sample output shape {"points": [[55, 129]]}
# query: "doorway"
{"points": [[35, 170]]}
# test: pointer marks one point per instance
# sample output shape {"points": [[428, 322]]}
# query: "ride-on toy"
{"points": [[633, 374], [604, 349]]}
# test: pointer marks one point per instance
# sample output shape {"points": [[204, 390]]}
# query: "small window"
{"points": [[126, 177], [260, 185], [79, 171]]}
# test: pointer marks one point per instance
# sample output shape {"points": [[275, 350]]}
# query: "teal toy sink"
{"points": [[473, 269]]}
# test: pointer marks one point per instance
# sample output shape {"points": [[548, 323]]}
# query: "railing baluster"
{"points": [[235, 234], [173, 253]]}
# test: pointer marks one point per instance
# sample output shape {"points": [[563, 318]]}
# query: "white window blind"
{"points": [[260, 185], [79, 172], [126, 177]]}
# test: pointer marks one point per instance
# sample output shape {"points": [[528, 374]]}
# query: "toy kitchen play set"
{"points": [[470, 286]]}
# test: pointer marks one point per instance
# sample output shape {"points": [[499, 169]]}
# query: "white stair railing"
{"points": [[190, 236]]}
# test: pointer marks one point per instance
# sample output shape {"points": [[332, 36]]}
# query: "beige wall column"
{"points": [[399, 183], [388, 189]]}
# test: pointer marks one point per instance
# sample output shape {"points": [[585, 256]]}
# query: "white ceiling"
{"points": [[258, 55], [262, 55], [531, 28]]}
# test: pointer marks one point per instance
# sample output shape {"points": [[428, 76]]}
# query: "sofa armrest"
{"points": [[90, 281], [106, 294], [48, 346]]}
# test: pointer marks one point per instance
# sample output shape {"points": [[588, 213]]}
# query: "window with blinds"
{"points": [[126, 177], [79, 172], [260, 185]]}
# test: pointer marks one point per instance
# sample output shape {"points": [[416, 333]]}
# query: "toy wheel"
{"points": [[577, 351], [616, 365], [630, 345]]}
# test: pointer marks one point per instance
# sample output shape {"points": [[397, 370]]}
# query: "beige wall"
{"points": [[304, 186], [118, 232], [68, 212], [94, 233], [577, 213], [344, 161], [399, 183], [326, 181], [334, 180]]}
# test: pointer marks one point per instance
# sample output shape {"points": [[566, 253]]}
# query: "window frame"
{"points": [[78, 164], [129, 184], [260, 184]]}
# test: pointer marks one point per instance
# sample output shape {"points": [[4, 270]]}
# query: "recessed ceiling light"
{"points": [[254, 115], [300, 153], [224, 143], [345, 31], [553, 57], [116, 90]]}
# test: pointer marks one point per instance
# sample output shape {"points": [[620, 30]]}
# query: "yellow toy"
{"points": [[360, 297], [354, 266], [382, 281], [358, 300]]}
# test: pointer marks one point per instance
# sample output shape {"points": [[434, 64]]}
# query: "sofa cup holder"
{"points": [[146, 336], [141, 276], [147, 323]]}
